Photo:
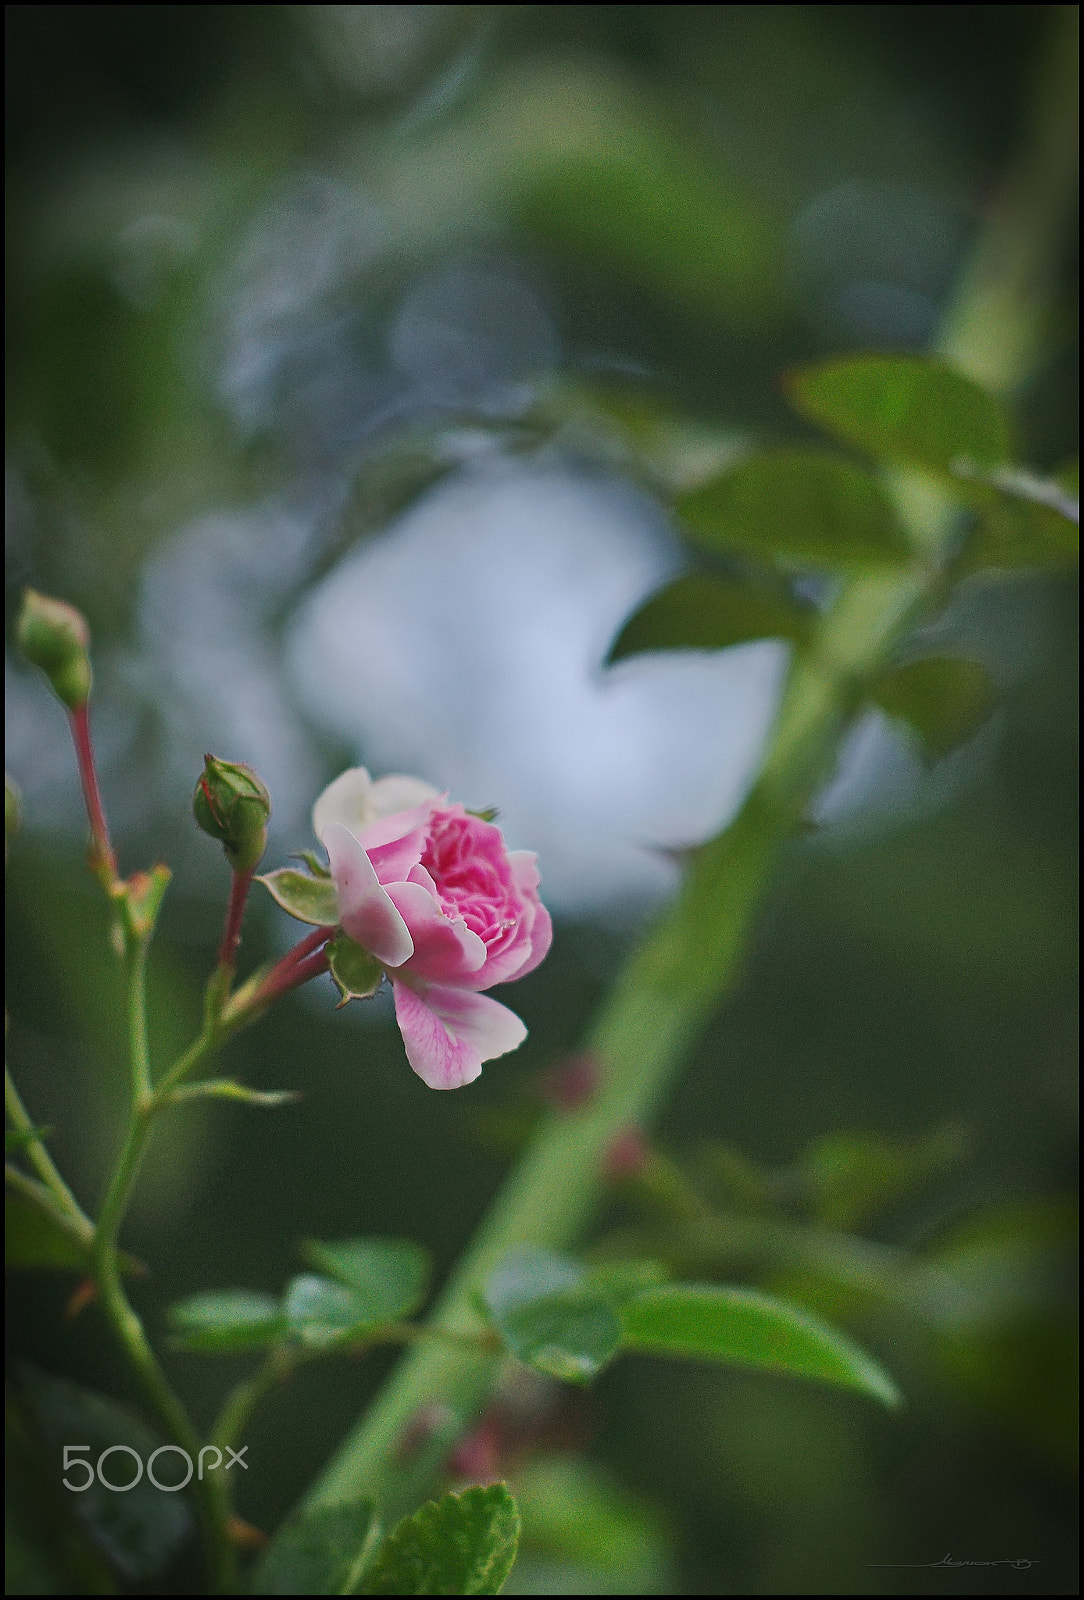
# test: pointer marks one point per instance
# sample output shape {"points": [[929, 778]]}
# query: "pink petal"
{"points": [[394, 860], [525, 873], [419, 874], [448, 1033], [541, 939], [366, 912], [445, 949], [388, 830]]}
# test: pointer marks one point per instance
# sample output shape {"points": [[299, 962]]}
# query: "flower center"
{"points": [[470, 883]]}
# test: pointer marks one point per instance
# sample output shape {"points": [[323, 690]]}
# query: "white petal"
{"points": [[396, 791], [348, 801]]}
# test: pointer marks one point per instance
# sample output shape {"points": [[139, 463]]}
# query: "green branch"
{"points": [[39, 1157]]}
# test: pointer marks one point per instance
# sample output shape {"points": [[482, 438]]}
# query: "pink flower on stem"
{"points": [[433, 893]]}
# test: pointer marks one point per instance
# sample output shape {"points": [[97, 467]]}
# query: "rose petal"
{"points": [[419, 874], [395, 844], [396, 791], [541, 939], [525, 873], [445, 949], [448, 1033], [348, 801], [366, 912]]}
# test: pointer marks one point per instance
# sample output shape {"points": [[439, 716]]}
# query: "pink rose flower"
{"points": [[435, 895]]}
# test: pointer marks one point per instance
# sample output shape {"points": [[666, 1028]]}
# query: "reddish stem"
{"points": [[312, 941], [231, 933], [306, 960], [103, 859], [294, 969]]}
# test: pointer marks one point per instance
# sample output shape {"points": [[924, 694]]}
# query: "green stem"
{"points": [[245, 1396], [208, 1488], [205, 1044], [138, 1052], [281, 1364], [677, 978], [39, 1157], [148, 1100]]}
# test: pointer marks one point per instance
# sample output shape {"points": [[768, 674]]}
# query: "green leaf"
{"points": [[16, 1139], [388, 1278], [37, 1234], [710, 1323], [575, 1513], [229, 1089], [800, 507], [47, 1549], [321, 1313], [1013, 1348], [308, 898], [144, 892], [1011, 1257], [623, 188], [319, 1551], [551, 1316], [632, 429], [1026, 521], [1028, 488], [316, 866], [616, 1281], [140, 1529], [357, 973], [227, 1320], [701, 612], [910, 409], [851, 1175], [943, 698], [461, 1544]]}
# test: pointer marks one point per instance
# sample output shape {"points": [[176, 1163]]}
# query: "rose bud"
{"points": [[54, 636], [232, 805]]}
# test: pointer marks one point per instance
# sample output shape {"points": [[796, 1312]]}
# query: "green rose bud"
{"points": [[55, 637], [232, 804]]}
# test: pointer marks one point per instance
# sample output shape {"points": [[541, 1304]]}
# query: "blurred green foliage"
{"points": [[665, 172]]}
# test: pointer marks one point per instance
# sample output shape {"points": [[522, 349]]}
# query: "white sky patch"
{"points": [[465, 645]]}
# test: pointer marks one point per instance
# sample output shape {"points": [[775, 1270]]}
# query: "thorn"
{"points": [[477, 1457], [627, 1157], [571, 1083], [85, 1295], [244, 1535]]}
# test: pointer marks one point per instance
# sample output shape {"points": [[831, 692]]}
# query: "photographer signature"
{"points": [[1017, 1563]]}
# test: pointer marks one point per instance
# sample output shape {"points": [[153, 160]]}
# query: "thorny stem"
{"points": [[677, 978]]}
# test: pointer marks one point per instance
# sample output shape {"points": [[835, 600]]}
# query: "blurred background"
{"points": [[353, 354]]}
